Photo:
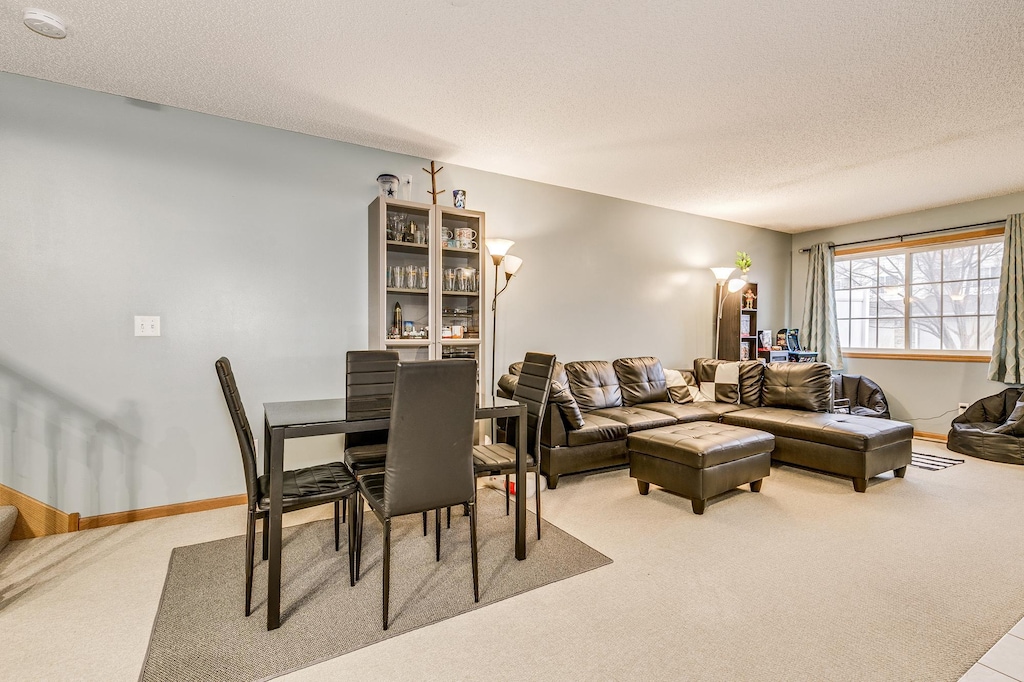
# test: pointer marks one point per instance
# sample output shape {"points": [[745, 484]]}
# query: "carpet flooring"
{"points": [[200, 632]]}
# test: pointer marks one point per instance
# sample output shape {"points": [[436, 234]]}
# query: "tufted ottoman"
{"points": [[700, 460]]}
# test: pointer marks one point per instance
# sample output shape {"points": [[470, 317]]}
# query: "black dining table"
{"points": [[302, 418]]}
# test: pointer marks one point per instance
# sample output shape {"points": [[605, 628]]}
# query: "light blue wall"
{"points": [[920, 392], [250, 242]]}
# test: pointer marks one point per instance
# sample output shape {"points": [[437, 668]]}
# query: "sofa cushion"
{"points": [[682, 386], [839, 430], [797, 385], [641, 380], [594, 385], [692, 412], [596, 429], [719, 381], [721, 408], [751, 378], [636, 418]]}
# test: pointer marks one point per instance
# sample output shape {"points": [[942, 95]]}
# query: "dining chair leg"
{"points": [[351, 503], [437, 532], [337, 525], [250, 549], [472, 540], [537, 474], [506, 495], [343, 508], [449, 517], [424, 524], [387, 567], [266, 537], [360, 515]]}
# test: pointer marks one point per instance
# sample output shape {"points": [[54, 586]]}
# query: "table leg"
{"points": [[521, 447], [276, 472]]}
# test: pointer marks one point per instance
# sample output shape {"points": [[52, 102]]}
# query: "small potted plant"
{"points": [[743, 263]]}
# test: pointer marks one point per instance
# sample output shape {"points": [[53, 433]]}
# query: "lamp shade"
{"points": [[735, 285], [512, 265], [498, 248], [721, 274]]}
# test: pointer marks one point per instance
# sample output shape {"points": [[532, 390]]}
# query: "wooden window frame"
{"points": [[909, 245]]}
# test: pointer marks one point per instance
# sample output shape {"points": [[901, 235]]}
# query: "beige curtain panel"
{"points": [[820, 329], [1007, 364]]}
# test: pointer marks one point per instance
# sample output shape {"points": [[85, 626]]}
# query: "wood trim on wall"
{"points": [[940, 437], [945, 357], [924, 241], [117, 518], [35, 518]]}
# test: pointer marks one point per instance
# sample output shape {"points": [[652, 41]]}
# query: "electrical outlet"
{"points": [[962, 407], [147, 325]]}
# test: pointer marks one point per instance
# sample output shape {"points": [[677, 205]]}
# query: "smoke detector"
{"points": [[45, 23]]}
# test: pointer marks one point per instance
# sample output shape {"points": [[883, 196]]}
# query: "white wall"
{"points": [[921, 392], [250, 242]]}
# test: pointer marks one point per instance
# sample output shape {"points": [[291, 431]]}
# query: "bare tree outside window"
{"points": [[920, 299]]}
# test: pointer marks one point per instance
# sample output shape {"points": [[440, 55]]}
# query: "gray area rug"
{"points": [[200, 631]]}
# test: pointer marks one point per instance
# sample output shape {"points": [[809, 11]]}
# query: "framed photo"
{"points": [[745, 325], [744, 351], [765, 338]]}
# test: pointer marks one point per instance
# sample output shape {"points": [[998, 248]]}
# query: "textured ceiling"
{"points": [[790, 115]]}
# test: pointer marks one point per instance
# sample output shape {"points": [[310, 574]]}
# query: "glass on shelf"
{"points": [[404, 227]]}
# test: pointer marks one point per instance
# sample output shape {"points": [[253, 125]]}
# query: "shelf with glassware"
{"points": [[425, 279], [738, 336]]}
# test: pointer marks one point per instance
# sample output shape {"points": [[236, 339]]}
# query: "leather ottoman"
{"points": [[700, 460]]}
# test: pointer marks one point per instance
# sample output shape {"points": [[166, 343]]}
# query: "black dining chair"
{"points": [[302, 488], [369, 383], [533, 388], [429, 462]]}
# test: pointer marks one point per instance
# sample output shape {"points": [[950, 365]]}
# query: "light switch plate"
{"points": [[147, 325]]}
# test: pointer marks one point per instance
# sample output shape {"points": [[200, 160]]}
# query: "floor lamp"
{"points": [[733, 285], [499, 248]]}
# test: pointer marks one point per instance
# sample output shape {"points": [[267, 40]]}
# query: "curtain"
{"points": [[1007, 364], [820, 328]]}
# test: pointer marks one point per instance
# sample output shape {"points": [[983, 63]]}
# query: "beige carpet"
{"points": [[201, 632], [807, 580]]}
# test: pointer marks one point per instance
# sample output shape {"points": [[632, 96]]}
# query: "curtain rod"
{"points": [[901, 237]]}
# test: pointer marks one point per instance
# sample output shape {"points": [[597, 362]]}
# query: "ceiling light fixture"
{"points": [[45, 23]]}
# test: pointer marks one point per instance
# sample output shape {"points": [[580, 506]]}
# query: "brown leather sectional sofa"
{"points": [[596, 404]]}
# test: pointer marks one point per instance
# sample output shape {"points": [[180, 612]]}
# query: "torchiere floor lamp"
{"points": [[733, 285], [499, 248]]}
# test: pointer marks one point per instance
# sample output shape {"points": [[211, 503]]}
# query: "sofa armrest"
{"points": [[553, 428]]}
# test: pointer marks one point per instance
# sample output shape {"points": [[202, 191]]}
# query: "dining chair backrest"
{"points": [[369, 384], [429, 461], [533, 388], [242, 429]]}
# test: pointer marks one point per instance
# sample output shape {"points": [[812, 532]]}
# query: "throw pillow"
{"points": [[570, 409], [682, 387], [720, 383], [1011, 421]]}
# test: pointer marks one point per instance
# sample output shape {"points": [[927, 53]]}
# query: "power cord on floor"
{"points": [[938, 416]]}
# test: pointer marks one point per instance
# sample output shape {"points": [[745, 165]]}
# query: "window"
{"points": [[928, 298]]}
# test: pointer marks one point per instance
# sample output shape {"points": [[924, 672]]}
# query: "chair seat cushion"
{"points": [[636, 418], [325, 481], [690, 412], [596, 429], [363, 457], [496, 457], [701, 444], [849, 431], [372, 488]]}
